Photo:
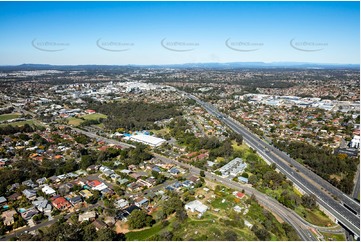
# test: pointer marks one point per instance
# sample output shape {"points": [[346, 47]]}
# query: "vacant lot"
{"points": [[9, 116], [94, 116], [74, 121], [21, 123]]}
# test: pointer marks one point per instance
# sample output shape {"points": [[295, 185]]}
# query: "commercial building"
{"points": [[233, 168], [147, 139]]}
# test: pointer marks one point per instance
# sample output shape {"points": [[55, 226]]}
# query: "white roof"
{"points": [[196, 206], [147, 139], [48, 190], [356, 137], [100, 187]]}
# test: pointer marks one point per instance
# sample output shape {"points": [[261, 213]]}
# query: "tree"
{"points": [[172, 204], [181, 214], [290, 232], [260, 232], [2, 227], [166, 235], [160, 215], [309, 201], [230, 235], [237, 137], [89, 233], [106, 234], [139, 219], [202, 174], [253, 179]]}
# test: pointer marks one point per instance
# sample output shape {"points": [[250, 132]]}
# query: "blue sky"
{"points": [[322, 32]]}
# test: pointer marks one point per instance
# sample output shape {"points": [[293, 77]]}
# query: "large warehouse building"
{"points": [[148, 140]]}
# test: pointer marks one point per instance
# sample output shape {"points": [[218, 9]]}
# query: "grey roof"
{"points": [[29, 183], [76, 199], [41, 202], [3, 200], [41, 181], [29, 193], [122, 181]]}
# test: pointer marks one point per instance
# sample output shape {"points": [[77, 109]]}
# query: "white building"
{"points": [[122, 203], [148, 140], [355, 142], [87, 216], [233, 168], [100, 187], [48, 190], [196, 206]]}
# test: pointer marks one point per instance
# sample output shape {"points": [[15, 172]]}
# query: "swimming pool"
{"points": [[21, 210]]}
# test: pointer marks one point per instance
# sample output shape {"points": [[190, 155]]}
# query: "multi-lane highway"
{"points": [[303, 178]]}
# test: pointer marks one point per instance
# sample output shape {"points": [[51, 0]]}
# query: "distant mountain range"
{"points": [[215, 65]]}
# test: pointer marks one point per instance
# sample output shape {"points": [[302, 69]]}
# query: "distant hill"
{"points": [[214, 65]]}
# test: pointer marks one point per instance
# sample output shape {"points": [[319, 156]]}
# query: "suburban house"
{"points": [[96, 185], [29, 194], [238, 194], [42, 204], [29, 213], [141, 202], [196, 206], [48, 190], [123, 214], [15, 196], [61, 203], [41, 181], [3, 200], [98, 224], [174, 171], [29, 183], [85, 194], [75, 200], [87, 216], [121, 203], [8, 217]]}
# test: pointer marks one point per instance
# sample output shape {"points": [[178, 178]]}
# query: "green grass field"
{"points": [[21, 123], [161, 132], [74, 121], [315, 217], [334, 237], [210, 229], [9, 116], [77, 121], [217, 203], [94, 116], [241, 147], [144, 234]]}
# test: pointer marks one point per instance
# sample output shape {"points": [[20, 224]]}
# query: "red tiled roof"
{"points": [[61, 203], [94, 183], [239, 194]]}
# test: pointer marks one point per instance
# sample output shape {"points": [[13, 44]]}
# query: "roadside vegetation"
{"points": [[339, 170]]}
